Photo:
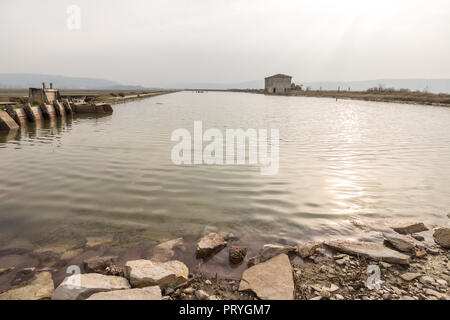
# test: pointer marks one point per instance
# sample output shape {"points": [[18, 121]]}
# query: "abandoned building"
{"points": [[43, 95], [279, 83]]}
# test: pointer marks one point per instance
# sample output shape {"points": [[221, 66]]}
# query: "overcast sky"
{"points": [[163, 42]]}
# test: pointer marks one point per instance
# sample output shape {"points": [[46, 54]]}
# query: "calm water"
{"points": [[340, 161]]}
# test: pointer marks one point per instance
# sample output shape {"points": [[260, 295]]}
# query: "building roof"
{"points": [[279, 76]]}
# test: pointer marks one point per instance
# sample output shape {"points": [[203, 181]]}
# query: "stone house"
{"points": [[279, 83]]}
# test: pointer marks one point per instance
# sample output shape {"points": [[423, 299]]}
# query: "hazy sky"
{"points": [[163, 42]]}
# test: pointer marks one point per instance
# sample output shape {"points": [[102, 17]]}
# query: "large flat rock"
{"points": [[146, 273], [270, 280], [40, 287], [79, 287], [150, 293], [400, 243], [410, 228], [370, 250], [442, 237]]}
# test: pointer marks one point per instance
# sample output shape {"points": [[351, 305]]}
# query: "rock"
{"points": [[269, 251], [214, 298], [421, 254], [237, 254], [82, 286], [270, 280], [370, 250], [442, 237], [325, 294], [448, 215], [201, 295], [341, 262], [316, 298], [442, 282], [305, 250], [210, 244], [40, 287], [431, 292], [407, 298], [333, 288], [418, 237], [410, 228], [145, 273], [189, 291], [168, 291], [26, 271], [6, 270], [149, 293], [114, 271], [387, 296], [400, 243], [410, 276], [99, 264], [165, 251], [230, 237], [426, 280], [433, 251], [385, 265]]}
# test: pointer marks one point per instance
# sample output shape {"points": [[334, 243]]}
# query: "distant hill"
{"points": [[258, 84], [431, 85], [23, 80]]}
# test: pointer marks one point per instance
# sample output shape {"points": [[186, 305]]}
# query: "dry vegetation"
{"points": [[380, 94], [373, 94]]}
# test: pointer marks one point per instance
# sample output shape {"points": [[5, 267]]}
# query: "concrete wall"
{"points": [[278, 85], [39, 96], [6, 122]]}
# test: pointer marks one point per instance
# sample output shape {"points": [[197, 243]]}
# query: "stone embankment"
{"points": [[400, 268]]}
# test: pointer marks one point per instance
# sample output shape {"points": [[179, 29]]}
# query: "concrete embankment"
{"points": [[6, 122], [57, 109]]}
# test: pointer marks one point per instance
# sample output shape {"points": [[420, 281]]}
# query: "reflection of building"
{"points": [[279, 83], [44, 95]]}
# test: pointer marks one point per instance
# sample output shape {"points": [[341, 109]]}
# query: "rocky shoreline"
{"points": [[402, 267]]}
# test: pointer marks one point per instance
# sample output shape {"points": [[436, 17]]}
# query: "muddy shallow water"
{"points": [[346, 168]]}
